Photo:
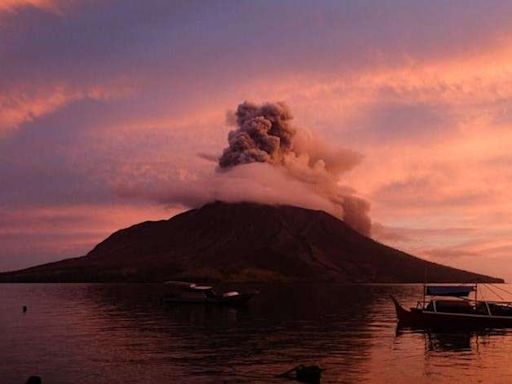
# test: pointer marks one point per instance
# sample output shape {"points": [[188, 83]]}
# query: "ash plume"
{"points": [[268, 160], [264, 134]]}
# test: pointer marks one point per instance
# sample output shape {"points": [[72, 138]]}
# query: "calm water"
{"points": [[94, 333]]}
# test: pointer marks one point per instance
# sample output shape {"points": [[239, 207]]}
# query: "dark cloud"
{"points": [[264, 135]]}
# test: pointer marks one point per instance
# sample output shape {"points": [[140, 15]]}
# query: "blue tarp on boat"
{"points": [[449, 290]]}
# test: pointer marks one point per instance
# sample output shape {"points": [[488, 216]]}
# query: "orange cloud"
{"points": [[26, 104], [13, 5], [451, 172]]}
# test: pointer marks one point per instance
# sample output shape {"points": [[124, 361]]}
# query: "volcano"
{"points": [[243, 242]]}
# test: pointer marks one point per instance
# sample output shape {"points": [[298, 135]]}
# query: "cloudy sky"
{"points": [[96, 95]]}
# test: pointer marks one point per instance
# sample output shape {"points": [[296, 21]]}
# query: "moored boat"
{"points": [[191, 293], [450, 306]]}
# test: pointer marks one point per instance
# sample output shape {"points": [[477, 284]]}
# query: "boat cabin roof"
{"points": [[449, 290]]}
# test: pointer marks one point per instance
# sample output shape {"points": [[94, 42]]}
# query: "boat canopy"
{"points": [[449, 290]]}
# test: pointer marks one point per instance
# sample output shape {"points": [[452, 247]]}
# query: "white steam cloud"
{"points": [[264, 134], [270, 161]]}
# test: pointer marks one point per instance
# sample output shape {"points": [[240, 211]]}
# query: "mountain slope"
{"points": [[244, 241]]}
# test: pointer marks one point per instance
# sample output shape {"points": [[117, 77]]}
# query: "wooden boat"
{"points": [[449, 306], [191, 293]]}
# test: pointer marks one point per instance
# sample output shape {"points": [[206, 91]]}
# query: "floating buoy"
{"points": [[24, 309]]}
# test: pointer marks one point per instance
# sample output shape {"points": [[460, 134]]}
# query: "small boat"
{"points": [[449, 306], [191, 293]]}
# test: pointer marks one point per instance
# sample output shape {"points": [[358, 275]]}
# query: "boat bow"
{"points": [[402, 314]]}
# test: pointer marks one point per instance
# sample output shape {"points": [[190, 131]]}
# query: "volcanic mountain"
{"points": [[243, 242]]}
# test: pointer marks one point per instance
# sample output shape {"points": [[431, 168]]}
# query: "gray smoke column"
{"points": [[268, 161], [264, 134]]}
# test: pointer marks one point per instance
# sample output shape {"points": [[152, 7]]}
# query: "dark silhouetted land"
{"points": [[243, 242]]}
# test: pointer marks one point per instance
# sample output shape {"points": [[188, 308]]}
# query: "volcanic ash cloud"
{"points": [[264, 134], [268, 161]]}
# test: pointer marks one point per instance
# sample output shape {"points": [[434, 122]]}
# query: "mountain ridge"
{"points": [[243, 242]]}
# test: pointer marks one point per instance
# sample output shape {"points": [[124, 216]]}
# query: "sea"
{"points": [[123, 333]]}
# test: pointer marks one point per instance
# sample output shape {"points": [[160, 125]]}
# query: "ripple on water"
{"points": [[122, 334]]}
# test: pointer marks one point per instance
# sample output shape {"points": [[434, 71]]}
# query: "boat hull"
{"points": [[427, 319], [240, 299]]}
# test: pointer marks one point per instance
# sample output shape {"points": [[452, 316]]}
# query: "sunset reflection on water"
{"points": [[90, 333]]}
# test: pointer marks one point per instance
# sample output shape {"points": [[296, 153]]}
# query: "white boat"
{"points": [[184, 292]]}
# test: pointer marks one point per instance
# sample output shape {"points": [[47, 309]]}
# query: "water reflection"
{"points": [[453, 341], [437, 342], [460, 341], [283, 326], [123, 334]]}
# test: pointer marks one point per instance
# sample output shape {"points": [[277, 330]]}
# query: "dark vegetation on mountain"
{"points": [[243, 242]]}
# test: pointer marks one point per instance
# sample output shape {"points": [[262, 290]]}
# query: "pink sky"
{"points": [[94, 95]]}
